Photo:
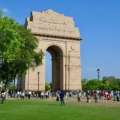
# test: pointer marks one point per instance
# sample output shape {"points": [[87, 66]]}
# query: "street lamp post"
{"points": [[98, 71], [38, 81]]}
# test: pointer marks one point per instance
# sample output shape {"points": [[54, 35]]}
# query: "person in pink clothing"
{"points": [[108, 97]]}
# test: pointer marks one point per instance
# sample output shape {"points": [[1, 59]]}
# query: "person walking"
{"points": [[57, 96], [22, 95], [3, 96], [46, 94], [18, 94], [102, 95], [29, 94], [42, 95], [118, 96], [96, 96], [78, 96], [88, 98], [62, 98]]}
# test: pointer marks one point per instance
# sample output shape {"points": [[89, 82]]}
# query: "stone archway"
{"points": [[58, 36], [57, 66]]}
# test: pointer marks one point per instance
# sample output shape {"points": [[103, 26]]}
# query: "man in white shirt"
{"points": [[3, 96], [18, 94], [22, 95], [42, 95], [29, 94]]}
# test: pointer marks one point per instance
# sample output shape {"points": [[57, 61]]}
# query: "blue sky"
{"points": [[99, 25]]}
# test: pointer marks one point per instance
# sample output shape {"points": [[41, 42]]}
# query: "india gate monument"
{"points": [[57, 35]]}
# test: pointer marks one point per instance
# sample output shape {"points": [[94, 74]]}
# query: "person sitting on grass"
{"points": [[108, 97]]}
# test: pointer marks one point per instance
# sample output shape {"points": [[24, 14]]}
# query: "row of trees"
{"points": [[17, 50], [106, 83]]}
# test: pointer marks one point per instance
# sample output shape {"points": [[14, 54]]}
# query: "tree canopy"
{"points": [[17, 50], [106, 83], [10, 39]]}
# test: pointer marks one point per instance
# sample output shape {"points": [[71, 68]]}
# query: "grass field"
{"points": [[36, 109]]}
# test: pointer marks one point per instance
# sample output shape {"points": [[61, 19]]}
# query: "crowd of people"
{"points": [[89, 95], [93, 95]]}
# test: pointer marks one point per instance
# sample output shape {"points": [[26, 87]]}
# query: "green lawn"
{"points": [[36, 109]]}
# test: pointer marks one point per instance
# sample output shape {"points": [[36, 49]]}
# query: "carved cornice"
{"points": [[56, 36]]}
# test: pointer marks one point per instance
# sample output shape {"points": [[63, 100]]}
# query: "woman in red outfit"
{"points": [[108, 97]]}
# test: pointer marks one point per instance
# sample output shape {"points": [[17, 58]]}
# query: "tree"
{"points": [[84, 83], [47, 86], [17, 50], [93, 84], [112, 79], [104, 79], [10, 40], [89, 84], [107, 83], [104, 83]]}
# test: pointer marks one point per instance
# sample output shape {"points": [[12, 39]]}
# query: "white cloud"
{"points": [[5, 10]]}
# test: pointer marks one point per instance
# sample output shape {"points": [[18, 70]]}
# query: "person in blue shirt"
{"points": [[62, 98]]}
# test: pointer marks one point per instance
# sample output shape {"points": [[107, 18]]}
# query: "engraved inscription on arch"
{"points": [[52, 23]]}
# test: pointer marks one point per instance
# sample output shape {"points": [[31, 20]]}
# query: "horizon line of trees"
{"points": [[106, 83]]}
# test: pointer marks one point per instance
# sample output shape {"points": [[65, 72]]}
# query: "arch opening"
{"points": [[56, 67], [48, 71]]}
